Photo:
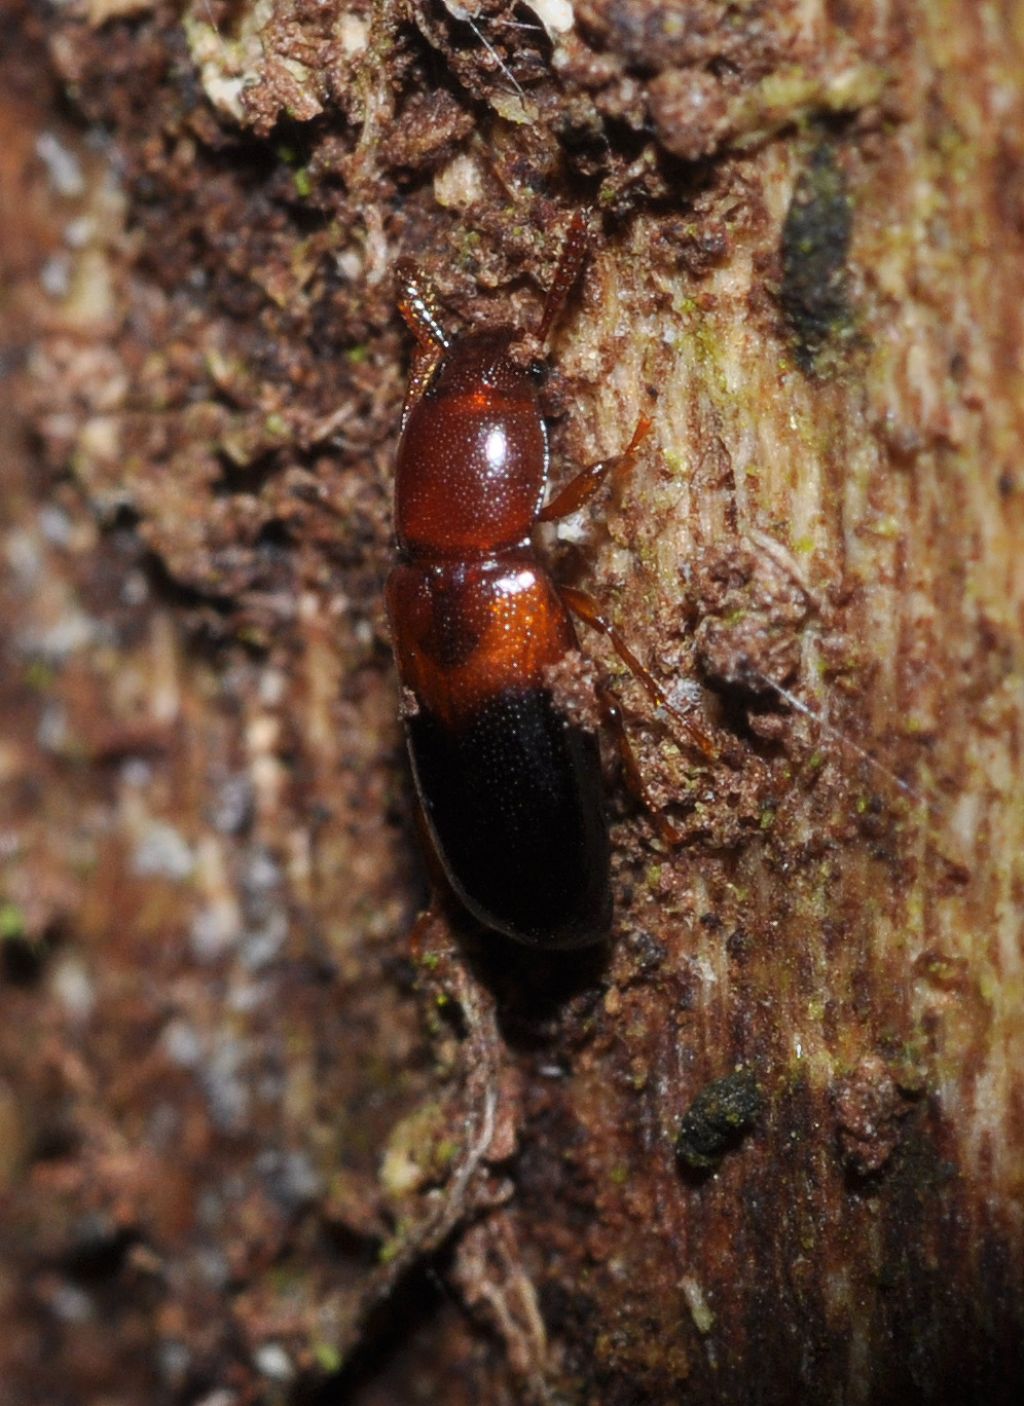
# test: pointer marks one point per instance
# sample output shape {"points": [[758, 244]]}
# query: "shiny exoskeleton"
{"points": [[510, 785], [509, 782]]}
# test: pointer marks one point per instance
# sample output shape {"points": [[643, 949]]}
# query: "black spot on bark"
{"points": [[815, 244], [717, 1120]]}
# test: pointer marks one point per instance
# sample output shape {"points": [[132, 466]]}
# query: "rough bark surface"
{"points": [[256, 1145]]}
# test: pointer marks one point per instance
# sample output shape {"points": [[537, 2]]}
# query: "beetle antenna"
{"points": [[417, 302], [570, 262]]}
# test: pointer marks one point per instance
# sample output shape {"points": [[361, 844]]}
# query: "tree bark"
{"points": [[257, 1145]]}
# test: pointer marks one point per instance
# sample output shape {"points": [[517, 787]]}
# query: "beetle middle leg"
{"points": [[587, 609], [578, 491]]}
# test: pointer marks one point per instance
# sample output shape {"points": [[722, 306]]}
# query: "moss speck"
{"points": [[12, 922], [327, 1357], [39, 676]]}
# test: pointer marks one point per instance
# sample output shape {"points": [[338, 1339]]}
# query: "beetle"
{"points": [[509, 783]]}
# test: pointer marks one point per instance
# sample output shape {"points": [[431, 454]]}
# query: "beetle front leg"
{"points": [[581, 488]]}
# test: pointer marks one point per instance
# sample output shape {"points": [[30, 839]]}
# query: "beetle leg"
{"points": [[422, 930], [588, 610], [612, 713], [582, 487]]}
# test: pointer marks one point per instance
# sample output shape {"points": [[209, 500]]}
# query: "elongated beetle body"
{"points": [[509, 782], [510, 786]]}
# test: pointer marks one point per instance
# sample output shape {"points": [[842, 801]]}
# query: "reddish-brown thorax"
{"points": [[472, 462]]}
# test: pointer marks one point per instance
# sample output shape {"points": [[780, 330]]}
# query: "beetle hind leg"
{"points": [[634, 777]]}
